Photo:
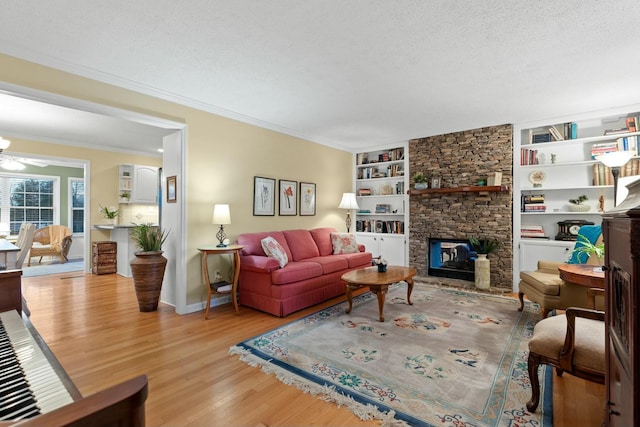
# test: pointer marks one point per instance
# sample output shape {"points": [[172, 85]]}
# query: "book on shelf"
{"points": [[604, 148], [532, 231], [557, 136], [533, 198], [602, 174], [538, 138], [535, 207], [529, 157], [632, 124], [364, 192], [570, 130]]}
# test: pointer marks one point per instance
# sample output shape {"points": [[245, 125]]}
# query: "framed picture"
{"points": [[307, 198], [435, 182], [288, 197], [171, 189], [264, 196]]}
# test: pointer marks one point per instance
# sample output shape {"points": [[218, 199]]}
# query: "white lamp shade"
{"points": [[348, 201], [4, 143], [615, 158], [221, 214]]}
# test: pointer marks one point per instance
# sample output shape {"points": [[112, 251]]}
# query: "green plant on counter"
{"points": [[108, 212]]}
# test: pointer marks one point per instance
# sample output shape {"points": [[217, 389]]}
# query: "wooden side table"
{"points": [[215, 250]]}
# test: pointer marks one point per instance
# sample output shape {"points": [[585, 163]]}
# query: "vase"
{"points": [[579, 208], [382, 268], [482, 272], [421, 185], [147, 269]]}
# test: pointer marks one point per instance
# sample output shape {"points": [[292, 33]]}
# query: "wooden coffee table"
{"points": [[378, 283]]}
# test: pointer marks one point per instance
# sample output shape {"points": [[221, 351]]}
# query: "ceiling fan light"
{"points": [[4, 144], [11, 165]]}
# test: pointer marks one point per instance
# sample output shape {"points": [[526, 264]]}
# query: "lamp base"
{"points": [[221, 245], [221, 235]]}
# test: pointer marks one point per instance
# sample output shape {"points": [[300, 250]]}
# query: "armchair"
{"points": [[545, 287], [573, 342], [52, 240]]}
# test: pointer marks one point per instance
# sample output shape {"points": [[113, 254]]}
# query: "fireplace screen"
{"points": [[452, 258]]}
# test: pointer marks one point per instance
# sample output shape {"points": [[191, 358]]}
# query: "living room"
{"points": [[216, 157]]}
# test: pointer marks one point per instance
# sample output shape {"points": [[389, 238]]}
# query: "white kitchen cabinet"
{"points": [[139, 183]]}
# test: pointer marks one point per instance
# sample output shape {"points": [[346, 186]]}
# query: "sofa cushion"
{"points": [[322, 237], [360, 259], [331, 263], [301, 244], [273, 249], [296, 271], [252, 242], [344, 243], [545, 283]]}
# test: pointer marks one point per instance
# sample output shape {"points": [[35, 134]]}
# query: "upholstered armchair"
{"points": [[52, 240], [545, 287]]}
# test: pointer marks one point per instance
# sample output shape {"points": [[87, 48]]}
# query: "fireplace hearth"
{"points": [[452, 258]]}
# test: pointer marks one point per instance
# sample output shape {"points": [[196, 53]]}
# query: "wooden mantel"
{"points": [[465, 189]]}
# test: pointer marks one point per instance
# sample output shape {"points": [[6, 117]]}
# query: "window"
{"points": [[76, 204], [28, 199]]}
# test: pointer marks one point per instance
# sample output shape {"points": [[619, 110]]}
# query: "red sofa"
{"points": [[311, 276]]}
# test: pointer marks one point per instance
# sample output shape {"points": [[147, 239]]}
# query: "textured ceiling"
{"points": [[346, 73]]}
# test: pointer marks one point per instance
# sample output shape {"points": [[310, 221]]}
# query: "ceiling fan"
{"points": [[14, 163]]}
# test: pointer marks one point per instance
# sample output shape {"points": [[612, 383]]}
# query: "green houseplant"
{"points": [[420, 180], [148, 266], [578, 205], [484, 246]]}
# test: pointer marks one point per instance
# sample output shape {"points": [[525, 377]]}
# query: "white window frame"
{"points": [[5, 190], [70, 180]]}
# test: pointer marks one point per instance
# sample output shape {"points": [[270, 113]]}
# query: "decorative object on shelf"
{"points": [[435, 183], [264, 201], [148, 266], [601, 203], [568, 229], [421, 181], [494, 179], [482, 265], [386, 190], [171, 189], [482, 182], [348, 202], [587, 248], [307, 199], [615, 160], [381, 263], [109, 213], [577, 205], [288, 198], [222, 216], [125, 194], [537, 177]]}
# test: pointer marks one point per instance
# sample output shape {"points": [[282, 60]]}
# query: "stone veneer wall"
{"points": [[460, 159]]}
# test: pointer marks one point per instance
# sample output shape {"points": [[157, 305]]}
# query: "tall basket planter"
{"points": [[147, 269]]}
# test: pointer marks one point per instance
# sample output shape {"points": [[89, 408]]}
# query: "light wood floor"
{"points": [[92, 325]]}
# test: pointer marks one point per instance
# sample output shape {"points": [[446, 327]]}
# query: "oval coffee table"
{"points": [[378, 283]]}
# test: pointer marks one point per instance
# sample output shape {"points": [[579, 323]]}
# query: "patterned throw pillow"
{"points": [[344, 243], [273, 249]]}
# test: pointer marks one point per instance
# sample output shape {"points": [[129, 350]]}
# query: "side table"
{"points": [[215, 250]]}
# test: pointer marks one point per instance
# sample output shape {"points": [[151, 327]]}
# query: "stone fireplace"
{"points": [[461, 159]]}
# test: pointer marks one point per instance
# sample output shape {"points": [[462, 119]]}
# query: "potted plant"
{"points": [[125, 195], [584, 246], [148, 266], [421, 181], [578, 205], [482, 265], [109, 213]]}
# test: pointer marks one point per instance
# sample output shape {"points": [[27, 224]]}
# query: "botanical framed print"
{"points": [[264, 196], [307, 198], [171, 189], [288, 197]]}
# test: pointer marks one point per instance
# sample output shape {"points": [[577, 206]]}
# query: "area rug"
{"points": [[51, 268], [453, 358]]}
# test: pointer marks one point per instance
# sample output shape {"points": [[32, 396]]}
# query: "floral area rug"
{"points": [[453, 358]]}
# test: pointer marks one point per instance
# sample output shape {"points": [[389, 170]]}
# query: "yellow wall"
{"points": [[222, 158]]}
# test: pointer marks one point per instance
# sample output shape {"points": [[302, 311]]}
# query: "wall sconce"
{"points": [[615, 160], [348, 202], [222, 216]]}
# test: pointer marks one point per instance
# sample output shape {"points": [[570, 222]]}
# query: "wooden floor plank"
{"points": [[92, 325]]}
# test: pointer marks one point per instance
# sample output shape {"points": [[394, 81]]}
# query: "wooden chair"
{"points": [[573, 342], [52, 240], [24, 241]]}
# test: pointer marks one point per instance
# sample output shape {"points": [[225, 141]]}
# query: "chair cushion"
{"points": [[545, 283], [549, 334]]}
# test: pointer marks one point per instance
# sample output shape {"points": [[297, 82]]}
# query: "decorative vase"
{"points": [[382, 268], [147, 269], [421, 185], [482, 272]]}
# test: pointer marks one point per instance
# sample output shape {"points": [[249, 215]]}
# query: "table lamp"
{"points": [[348, 202], [615, 160], [4, 230], [222, 216]]}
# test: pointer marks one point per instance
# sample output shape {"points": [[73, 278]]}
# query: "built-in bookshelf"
{"points": [[380, 186]]}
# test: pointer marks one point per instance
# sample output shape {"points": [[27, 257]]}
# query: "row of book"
{"points": [[386, 156], [529, 157], [532, 232], [568, 130], [632, 124], [379, 226], [377, 172], [627, 143], [602, 174], [532, 203]]}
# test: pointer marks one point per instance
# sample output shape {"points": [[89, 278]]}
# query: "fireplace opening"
{"points": [[452, 258]]}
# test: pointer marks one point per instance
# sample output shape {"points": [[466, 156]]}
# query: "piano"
{"points": [[34, 388]]}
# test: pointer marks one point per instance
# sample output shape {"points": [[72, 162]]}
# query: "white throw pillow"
{"points": [[344, 243], [273, 249]]}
